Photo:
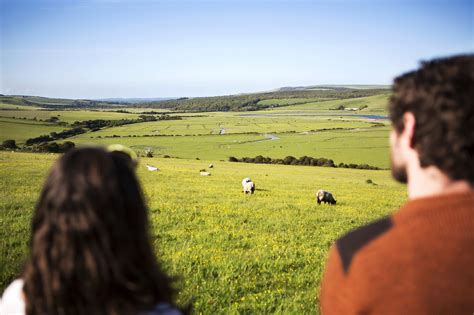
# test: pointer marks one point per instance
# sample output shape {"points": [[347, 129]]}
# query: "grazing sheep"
{"points": [[151, 168], [325, 196], [248, 186], [211, 166], [204, 173]]}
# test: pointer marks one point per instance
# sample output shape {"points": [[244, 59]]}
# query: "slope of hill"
{"points": [[134, 100], [375, 104], [334, 87], [56, 103], [239, 102], [250, 102]]}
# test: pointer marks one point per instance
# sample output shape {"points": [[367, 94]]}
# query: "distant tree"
{"points": [[329, 163], [9, 144], [305, 160], [259, 159], [40, 139], [52, 119], [66, 146], [322, 161], [51, 147], [288, 160]]}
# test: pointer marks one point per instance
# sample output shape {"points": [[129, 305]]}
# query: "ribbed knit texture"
{"points": [[422, 264]]}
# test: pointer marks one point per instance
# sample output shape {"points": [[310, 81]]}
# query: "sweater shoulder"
{"points": [[353, 242]]}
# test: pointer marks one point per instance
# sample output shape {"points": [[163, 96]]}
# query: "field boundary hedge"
{"points": [[304, 160]]}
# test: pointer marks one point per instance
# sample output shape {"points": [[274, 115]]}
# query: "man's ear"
{"points": [[409, 123]]}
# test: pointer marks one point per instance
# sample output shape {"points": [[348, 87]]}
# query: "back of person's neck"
{"points": [[430, 181]]}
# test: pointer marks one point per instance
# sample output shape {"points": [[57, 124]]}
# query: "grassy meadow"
{"points": [[217, 123], [233, 253], [368, 146], [20, 130], [68, 116], [376, 104]]}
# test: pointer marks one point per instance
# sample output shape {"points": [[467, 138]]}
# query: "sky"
{"points": [[113, 48]]}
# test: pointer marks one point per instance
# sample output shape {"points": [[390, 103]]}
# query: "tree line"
{"points": [[46, 147], [304, 160]]}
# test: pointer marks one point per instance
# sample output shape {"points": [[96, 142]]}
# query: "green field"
{"points": [[215, 123], [7, 106], [290, 101], [376, 104], [68, 116], [363, 146], [234, 253], [20, 130]]}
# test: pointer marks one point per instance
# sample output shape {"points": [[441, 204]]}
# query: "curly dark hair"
{"points": [[441, 97], [90, 252]]}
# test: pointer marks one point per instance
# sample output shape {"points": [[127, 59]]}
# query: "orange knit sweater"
{"points": [[418, 261]]}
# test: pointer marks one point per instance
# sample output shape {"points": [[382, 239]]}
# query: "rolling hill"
{"points": [[239, 102]]}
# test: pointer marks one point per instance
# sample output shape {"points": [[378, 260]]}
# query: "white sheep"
{"points": [[151, 168], [248, 186], [204, 173], [325, 196]]}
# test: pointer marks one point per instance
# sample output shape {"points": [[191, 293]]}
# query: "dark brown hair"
{"points": [[441, 97], [90, 251]]}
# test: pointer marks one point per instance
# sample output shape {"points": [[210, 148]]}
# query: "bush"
{"points": [[288, 160], [340, 107], [329, 163], [66, 146], [53, 147], [40, 139], [52, 119], [259, 159], [233, 159], [322, 161], [9, 144]]}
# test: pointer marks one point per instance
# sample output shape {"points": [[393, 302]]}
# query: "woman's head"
{"points": [[90, 251]]}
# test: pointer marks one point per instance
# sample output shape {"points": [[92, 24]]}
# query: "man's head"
{"points": [[432, 113]]}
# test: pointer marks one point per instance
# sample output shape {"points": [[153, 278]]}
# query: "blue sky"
{"points": [[107, 48]]}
